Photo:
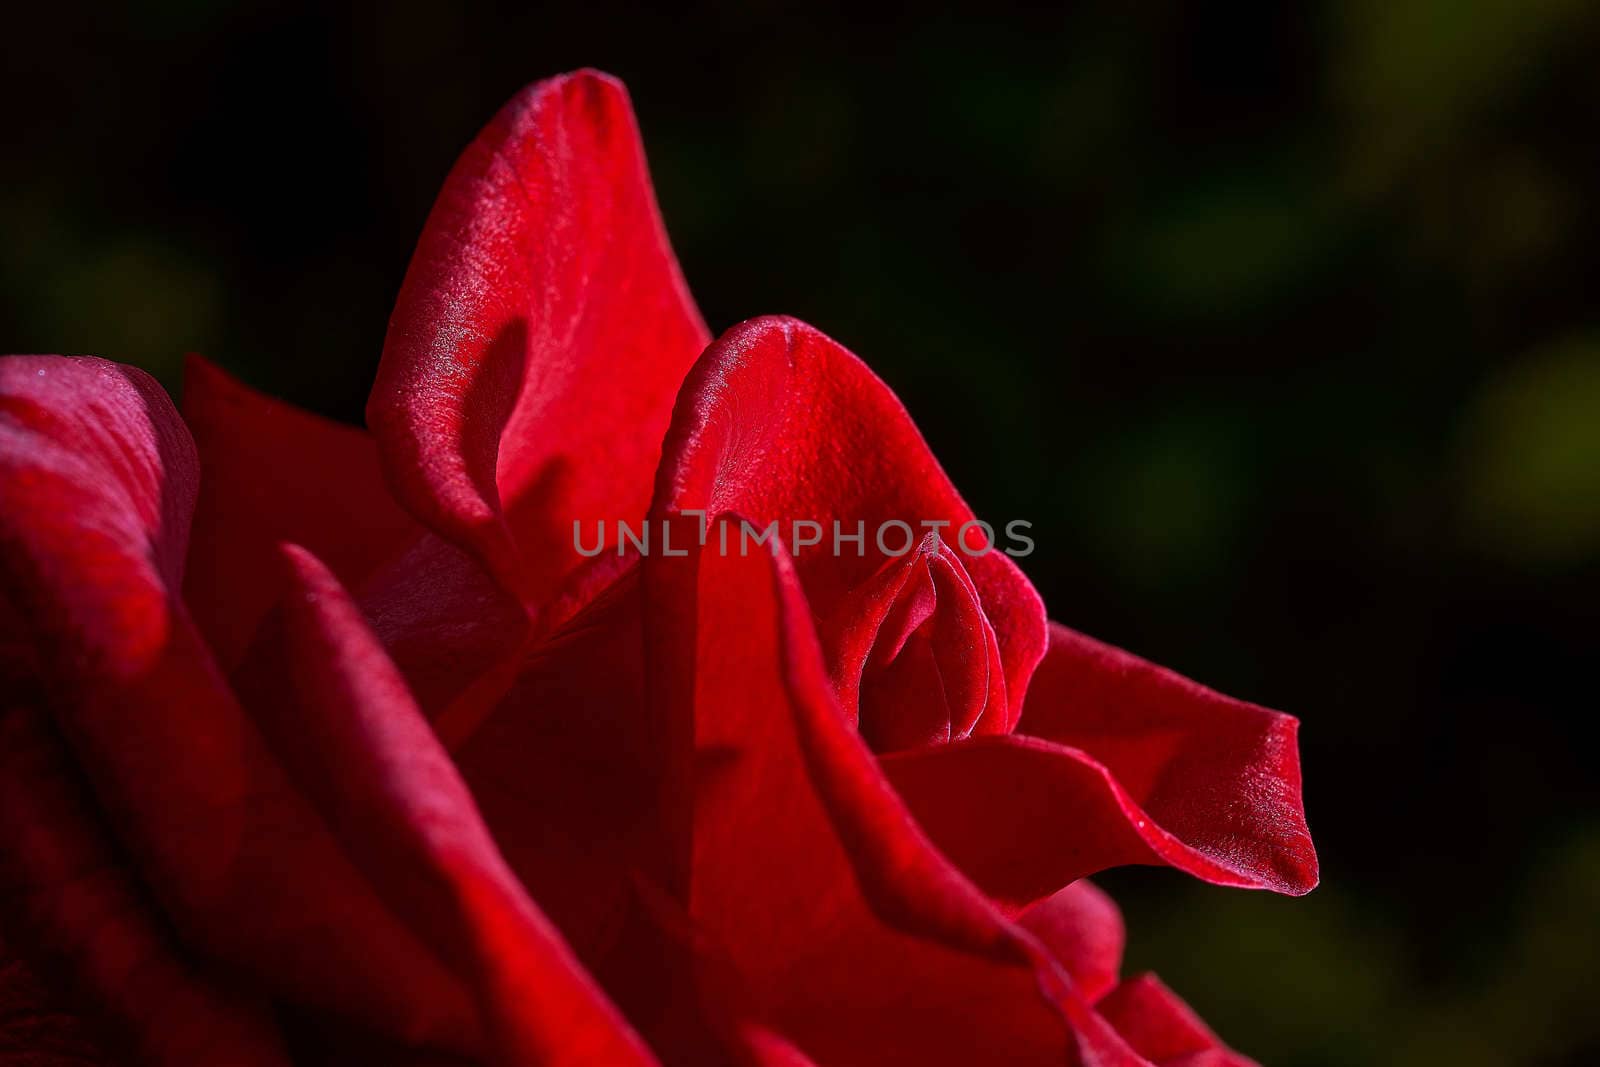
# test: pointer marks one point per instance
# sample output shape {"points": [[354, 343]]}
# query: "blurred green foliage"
{"points": [[1278, 321]]}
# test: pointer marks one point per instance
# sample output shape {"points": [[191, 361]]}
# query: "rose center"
{"points": [[913, 656]]}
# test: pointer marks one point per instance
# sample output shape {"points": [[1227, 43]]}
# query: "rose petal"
{"points": [[74, 907], [1131, 764], [539, 338], [855, 939], [1162, 1028], [1221, 775], [97, 478], [778, 422], [568, 770], [443, 619], [1082, 928], [337, 711], [270, 472]]}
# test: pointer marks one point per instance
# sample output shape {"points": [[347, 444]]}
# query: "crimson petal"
{"points": [[856, 940], [542, 325], [270, 472], [73, 907], [97, 482], [1162, 1028], [1082, 927], [337, 711], [1117, 761], [778, 422]]}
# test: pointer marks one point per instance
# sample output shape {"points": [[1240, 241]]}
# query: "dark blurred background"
{"points": [[1278, 321]]}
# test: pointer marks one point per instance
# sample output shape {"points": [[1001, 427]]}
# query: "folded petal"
{"points": [[269, 473], [778, 423], [855, 939], [539, 338], [1117, 761], [97, 484], [1162, 1028], [97, 479], [337, 711], [1221, 775], [1082, 928]]}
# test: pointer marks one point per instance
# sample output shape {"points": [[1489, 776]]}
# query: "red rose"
{"points": [[301, 761]]}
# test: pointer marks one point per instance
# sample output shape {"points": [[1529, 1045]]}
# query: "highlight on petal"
{"points": [[1221, 775], [336, 710], [778, 422], [270, 472], [539, 338], [97, 479], [97, 483], [1117, 761]]}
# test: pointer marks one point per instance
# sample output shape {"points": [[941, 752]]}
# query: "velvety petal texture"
{"points": [[382, 766], [849, 932], [540, 336], [778, 422], [97, 477], [1118, 761], [1220, 775]]}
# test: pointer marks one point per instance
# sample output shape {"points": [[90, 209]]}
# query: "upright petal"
{"points": [[540, 336]]}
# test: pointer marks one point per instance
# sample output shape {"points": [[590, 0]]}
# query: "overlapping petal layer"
{"points": [[336, 711], [1117, 761], [269, 473], [745, 805], [97, 477], [778, 422], [852, 936]]}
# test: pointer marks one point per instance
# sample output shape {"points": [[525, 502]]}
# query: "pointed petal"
{"points": [[1219, 774], [1117, 761], [539, 338]]}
